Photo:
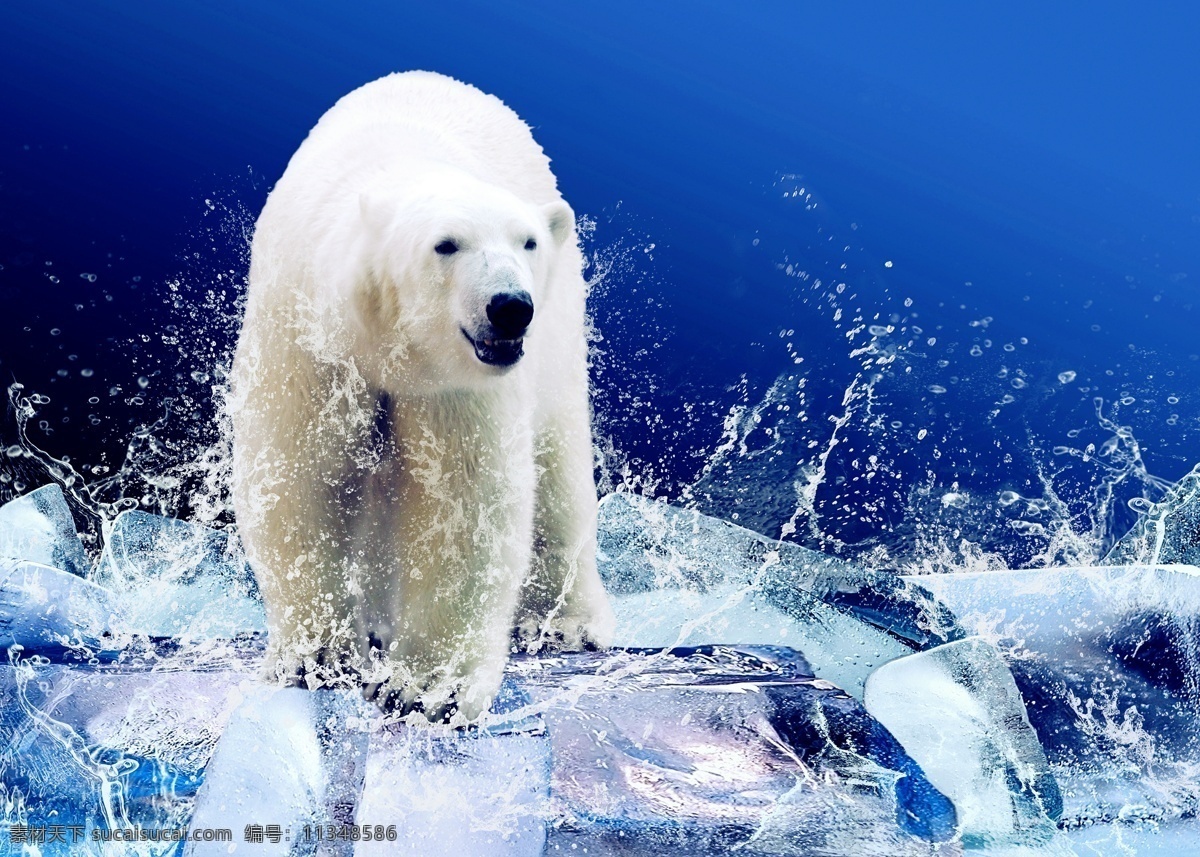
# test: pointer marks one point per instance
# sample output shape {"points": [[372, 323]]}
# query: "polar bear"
{"points": [[412, 451]]}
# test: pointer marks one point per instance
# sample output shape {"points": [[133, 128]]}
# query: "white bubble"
{"points": [[936, 388], [1066, 377], [955, 500], [1140, 504]]}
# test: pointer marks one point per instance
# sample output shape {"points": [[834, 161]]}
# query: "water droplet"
{"points": [[955, 500], [1140, 504]]}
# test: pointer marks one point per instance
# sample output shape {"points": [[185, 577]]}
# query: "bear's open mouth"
{"points": [[497, 352]]}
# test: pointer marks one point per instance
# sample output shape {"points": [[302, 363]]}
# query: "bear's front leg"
{"points": [[564, 604], [446, 656], [463, 495], [306, 583], [290, 482]]}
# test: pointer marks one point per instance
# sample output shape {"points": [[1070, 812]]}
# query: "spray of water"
{"points": [[872, 468]]}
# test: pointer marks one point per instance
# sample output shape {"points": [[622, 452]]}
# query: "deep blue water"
{"points": [[1014, 177]]}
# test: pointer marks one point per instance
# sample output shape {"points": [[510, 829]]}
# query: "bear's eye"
{"points": [[446, 248], [530, 244]]}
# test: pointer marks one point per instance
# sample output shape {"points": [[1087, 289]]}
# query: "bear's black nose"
{"points": [[510, 313]]}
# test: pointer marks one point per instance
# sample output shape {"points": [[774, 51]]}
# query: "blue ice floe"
{"points": [[1048, 711], [38, 527], [178, 579]]}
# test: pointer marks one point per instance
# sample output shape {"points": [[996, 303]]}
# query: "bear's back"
{"points": [[424, 115]]}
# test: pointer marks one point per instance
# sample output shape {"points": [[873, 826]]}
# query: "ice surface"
{"points": [[841, 649], [728, 583], [104, 745], [958, 713], [687, 752], [38, 527], [695, 751], [706, 750], [325, 758], [459, 793], [48, 611], [289, 757], [1108, 662], [178, 579]]}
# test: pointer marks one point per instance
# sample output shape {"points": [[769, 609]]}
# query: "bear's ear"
{"points": [[561, 220], [376, 214]]}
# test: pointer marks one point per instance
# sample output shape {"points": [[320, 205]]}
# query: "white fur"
{"points": [[468, 507]]}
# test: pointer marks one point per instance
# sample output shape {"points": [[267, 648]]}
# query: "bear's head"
{"points": [[458, 269]]}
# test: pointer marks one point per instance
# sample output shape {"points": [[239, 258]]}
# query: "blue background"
{"points": [[1028, 164]]}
